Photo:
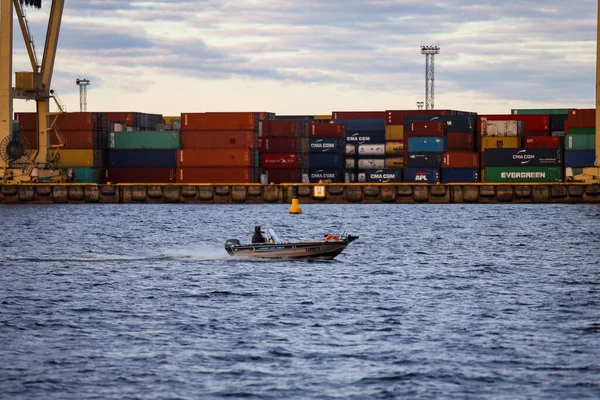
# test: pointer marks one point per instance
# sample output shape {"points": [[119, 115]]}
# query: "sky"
{"points": [[314, 57]]}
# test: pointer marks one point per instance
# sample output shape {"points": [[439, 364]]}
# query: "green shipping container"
{"points": [[580, 142], [523, 174], [582, 131], [84, 175], [15, 127], [163, 140], [540, 111]]}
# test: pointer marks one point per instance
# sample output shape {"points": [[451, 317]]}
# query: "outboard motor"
{"points": [[229, 243]]}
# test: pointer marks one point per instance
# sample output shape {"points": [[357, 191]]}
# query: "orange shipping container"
{"points": [[460, 159], [74, 139], [214, 175], [214, 158], [226, 121], [218, 140]]}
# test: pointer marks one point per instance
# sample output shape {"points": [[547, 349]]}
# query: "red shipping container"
{"points": [[426, 128], [278, 145], [566, 127], [79, 121], [543, 142], [460, 159], [279, 129], [533, 123], [283, 175], [461, 141], [74, 139], [358, 114], [396, 117], [214, 175], [31, 137], [582, 118], [279, 160], [214, 158], [124, 117], [225, 121], [333, 131], [139, 175], [218, 139]]}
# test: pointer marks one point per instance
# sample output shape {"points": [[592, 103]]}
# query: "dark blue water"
{"points": [[449, 301]]}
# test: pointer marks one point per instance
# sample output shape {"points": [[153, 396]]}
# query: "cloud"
{"points": [[530, 52]]}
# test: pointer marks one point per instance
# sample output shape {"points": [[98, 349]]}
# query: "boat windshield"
{"points": [[272, 236]]}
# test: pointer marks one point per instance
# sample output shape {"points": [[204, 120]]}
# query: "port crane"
{"points": [[34, 85]]}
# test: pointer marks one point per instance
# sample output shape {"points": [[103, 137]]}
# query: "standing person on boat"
{"points": [[258, 237]]}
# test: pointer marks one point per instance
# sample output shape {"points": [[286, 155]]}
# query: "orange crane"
{"points": [[34, 85]]}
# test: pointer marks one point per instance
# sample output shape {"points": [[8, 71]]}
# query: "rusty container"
{"points": [[221, 121], [280, 160], [278, 145], [461, 141], [74, 139], [288, 129], [460, 159], [426, 128], [582, 118], [215, 158], [219, 140], [215, 175], [543, 142], [334, 131]]}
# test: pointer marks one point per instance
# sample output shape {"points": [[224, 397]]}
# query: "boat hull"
{"points": [[298, 250]]}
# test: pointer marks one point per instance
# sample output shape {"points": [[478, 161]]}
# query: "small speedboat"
{"points": [[327, 248]]}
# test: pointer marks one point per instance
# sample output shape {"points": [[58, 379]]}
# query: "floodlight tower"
{"points": [[83, 84], [419, 105], [429, 52]]}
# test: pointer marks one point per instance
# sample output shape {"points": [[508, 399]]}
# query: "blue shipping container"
{"points": [[450, 175], [456, 123], [422, 175], [557, 122], [427, 144], [580, 159], [531, 157], [142, 158], [362, 124], [334, 175], [327, 146], [383, 175], [326, 161], [424, 160], [365, 137]]}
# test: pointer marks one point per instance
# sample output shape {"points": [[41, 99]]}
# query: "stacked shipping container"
{"points": [[580, 141], [218, 148], [327, 148], [283, 150]]}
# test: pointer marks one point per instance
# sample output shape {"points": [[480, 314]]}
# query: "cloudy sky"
{"points": [[319, 56]]}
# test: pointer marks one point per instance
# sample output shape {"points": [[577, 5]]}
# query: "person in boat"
{"points": [[258, 237]]}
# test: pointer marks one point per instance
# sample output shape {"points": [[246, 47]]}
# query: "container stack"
{"points": [[142, 156], [425, 143], [218, 148], [580, 141], [283, 150], [365, 147], [327, 146], [80, 139], [505, 159]]}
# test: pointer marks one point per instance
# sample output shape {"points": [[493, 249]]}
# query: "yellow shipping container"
{"points": [[394, 133], [394, 162], [80, 158], [323, 117], [394, 148], [490, 142]]}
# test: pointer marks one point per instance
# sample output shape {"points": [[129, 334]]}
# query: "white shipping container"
{"points": [[501, 128], [350, 149], [371, 149], [362, 177], [350, 163], [371, 163]]}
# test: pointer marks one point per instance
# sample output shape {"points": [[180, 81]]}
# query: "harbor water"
{"points": [[433, 301]]}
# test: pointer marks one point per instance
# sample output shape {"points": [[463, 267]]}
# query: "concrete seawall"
{"points": [[307, 193]]}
